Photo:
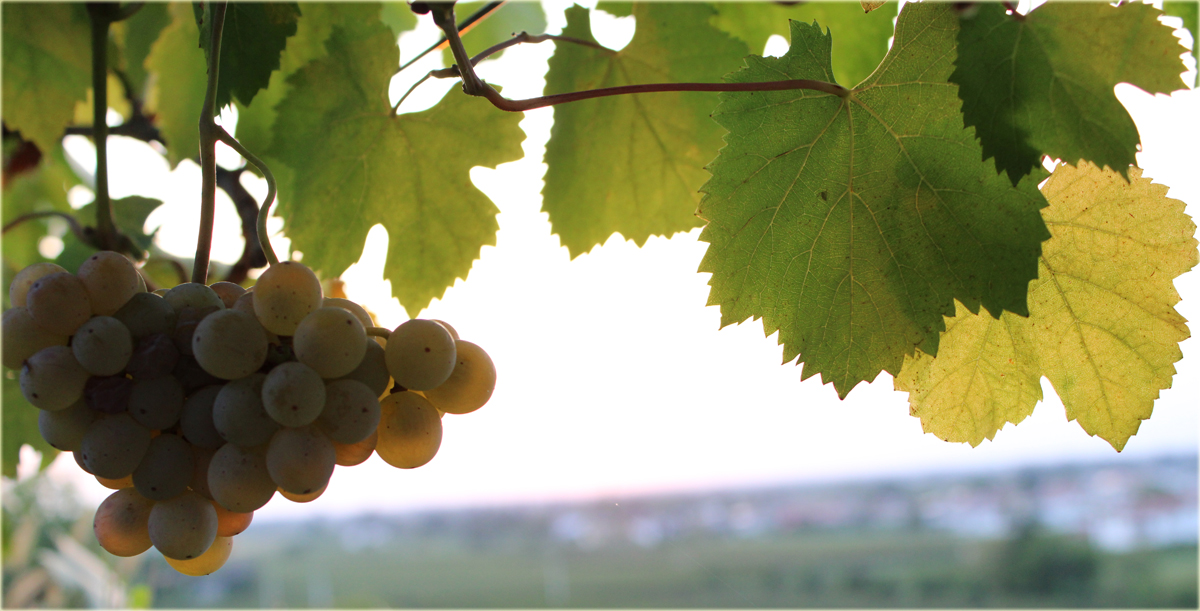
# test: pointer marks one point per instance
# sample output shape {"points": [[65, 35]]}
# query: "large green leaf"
{"points": [[1043, 84], [356, 164], [860, 40], [1189, 11], [850, 224], [501, 24], [42, 189], [1102, 324], [47, 68], [137, 35], [398, 16], [19, 426], [180, 83], [632, 163], [253, 36]]}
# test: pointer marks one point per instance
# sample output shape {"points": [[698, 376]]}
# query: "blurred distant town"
{"points": [[1120, 534]]}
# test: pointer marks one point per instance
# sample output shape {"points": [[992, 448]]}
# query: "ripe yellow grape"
{"points": [[350, 454], [231, 523], [19, 289], [52, 379], [183, 527], [301, 498], [470, 384], [420, 354], [110, 279], [23, 338], [238, 478], [122, 523], [115, 484], [230, 344], [331, 341], [59, 303], [228, 292], [410, 431], [207, 563], [300, 460], [284, 294]]}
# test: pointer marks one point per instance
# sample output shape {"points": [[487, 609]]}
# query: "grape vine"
{"points": [[884, 208]]}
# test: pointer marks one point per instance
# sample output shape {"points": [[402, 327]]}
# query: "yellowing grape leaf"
{"points": [[355, 165], [1102, 326], [859, 40], [1044, 84], [632, 163], [180, 82], [850, 224], [47, 68], [253, 36]]}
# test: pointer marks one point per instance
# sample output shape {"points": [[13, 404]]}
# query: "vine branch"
{"points": [[76, 228], [101, 16], [209, 134], [462, 28]]}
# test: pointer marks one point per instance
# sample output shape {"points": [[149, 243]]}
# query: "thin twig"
{"points": [[252, 257], [76, 228], [463, 28], [263, 240], [504, 103], [379, 332]]}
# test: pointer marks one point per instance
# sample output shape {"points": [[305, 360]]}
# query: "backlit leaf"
{"points": [[1189, 11], [180, 82], [850, 224], [633, 163], [42, 189], [501, 24], [1102, 326], [253, 36]]}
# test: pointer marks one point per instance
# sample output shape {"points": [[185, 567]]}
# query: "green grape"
{"points": [[230, 344], [166, 469], [239, 415], [351, 411], [156, 403], [110, 280], [201, 459], [420, 354], [350, 454], [196, 420], [245, 303], [113, 446], [302, 498], [470, 384], [284, 294], [293, 394], [238, 478], [64, 429], [183, 527], [193, 295], [102, 345], [146, 314], [52, 379], [300, 460], [358, 311], [23, 338], [122, 523], [59, 303], [19, 289], [207, 563], [186, 322], [228, 292], [331, 341], [231, 523], [449, 329], [372, 371], [410, 430]]}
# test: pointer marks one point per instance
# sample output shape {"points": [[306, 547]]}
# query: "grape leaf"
{"points": [[180, 83], [129, 215], [20, 427], [42, 189], [398, 16], [1044, 84], [632, 163], [860, 40], [336, 131], [501, 24], [47, 60], [137, 35], [1189, 11], [253, 36], [1102, 324], [851, 224]]}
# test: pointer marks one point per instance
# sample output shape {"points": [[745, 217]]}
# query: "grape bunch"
{"points": [[198, 403]]}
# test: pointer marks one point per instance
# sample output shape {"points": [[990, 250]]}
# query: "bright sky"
{"points": [[613, 375]]}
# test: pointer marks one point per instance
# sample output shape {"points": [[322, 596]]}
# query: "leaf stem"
{"points": [[503, 103], [263, 240], [209, 134], [76, 228], [443, 17], [101, 17], [379, 332]]}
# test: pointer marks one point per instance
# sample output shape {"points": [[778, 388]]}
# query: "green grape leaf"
{"points": [[632, 163], [501, 24], [1189, 11], [180, 83], [129, 215], [47, 60], [860, 40], [252, 38], [398, 16], [20, 427], [851, 224], [1044, 84], [336, 131], [42, 189], [137, 35], [1102, 326]]}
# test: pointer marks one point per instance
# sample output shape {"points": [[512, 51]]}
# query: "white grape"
{"points": [[351, 411], [122, 523], [64, 429], [196, 420], [372, 371], [193, 295], [420, 354], [300, 460], [230, 344], [228, 292], [207, 563], [102, 346], [239, 415], [331, 341], [113, 446], [183, 527], [284, 294], [293, 394], [110, 279], [52, 379], [358, 311], [146, 314], [157, 403], [59, 303], [166, 469], [471, 383], [238, 478], [22, 337], [19, 289], [410, 431]]}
